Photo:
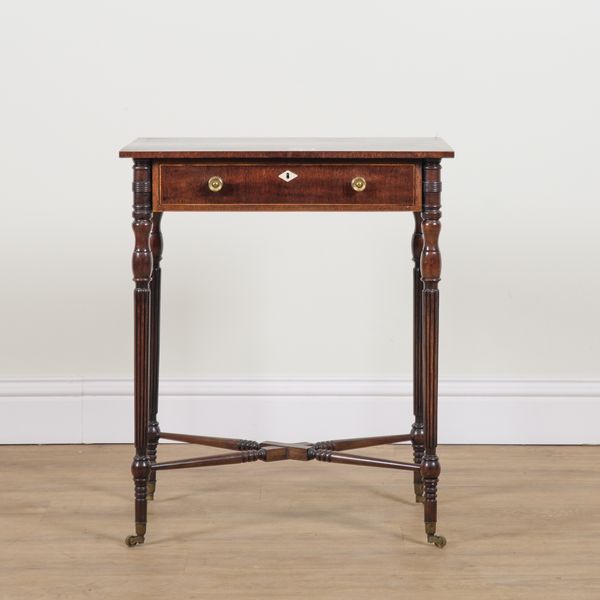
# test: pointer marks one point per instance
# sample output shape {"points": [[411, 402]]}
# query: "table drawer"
{"points": [[286, 186]]}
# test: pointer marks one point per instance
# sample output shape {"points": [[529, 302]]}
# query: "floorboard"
{"points": [[521, 522]]}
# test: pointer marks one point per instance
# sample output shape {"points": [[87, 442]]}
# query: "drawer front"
{"points": [[268, 186]]}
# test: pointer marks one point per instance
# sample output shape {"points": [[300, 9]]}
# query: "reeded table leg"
{"points": [[417, 432], [431, 267], [142, 272], [156, 246]]}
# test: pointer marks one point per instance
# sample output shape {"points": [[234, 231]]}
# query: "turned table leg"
{"points": [[417, 431], [431, 266], [142, 273], [156, 246]]}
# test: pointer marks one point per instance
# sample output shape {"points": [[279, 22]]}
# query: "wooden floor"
{"points": [[521, 522]]}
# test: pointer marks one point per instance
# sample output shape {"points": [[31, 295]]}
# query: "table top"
{"points": [[320, 148]]}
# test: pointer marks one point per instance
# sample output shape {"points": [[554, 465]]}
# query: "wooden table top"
{"points": [[320, 148]]}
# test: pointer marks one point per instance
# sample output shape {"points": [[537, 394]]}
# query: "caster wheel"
{"points": [[419, 499], [437, 540], [134, 540]]}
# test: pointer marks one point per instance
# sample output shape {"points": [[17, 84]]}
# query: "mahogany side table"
{"points": [[198, 174]]}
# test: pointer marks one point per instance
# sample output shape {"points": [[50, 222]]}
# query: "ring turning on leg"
{"points": [[431, 268], [142, 273], [417, 431], [141, 471], [156, 247]]}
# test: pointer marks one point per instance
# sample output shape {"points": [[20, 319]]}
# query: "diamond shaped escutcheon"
{"points": [[288, 175]]}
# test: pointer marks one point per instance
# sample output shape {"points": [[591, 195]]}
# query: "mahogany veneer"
{"points": [[396, 174], [258, 186]]}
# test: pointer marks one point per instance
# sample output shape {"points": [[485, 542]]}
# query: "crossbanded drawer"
{"points": [[286, 186]]}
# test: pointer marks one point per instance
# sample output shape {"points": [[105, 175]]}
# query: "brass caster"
{"points": [[134, 540], [419, 499], [437, 540]]}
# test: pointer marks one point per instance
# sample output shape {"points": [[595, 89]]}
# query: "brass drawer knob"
{"points": [[359, 184], [215, 184]]}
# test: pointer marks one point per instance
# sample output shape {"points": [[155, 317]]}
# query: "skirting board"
{"points": [[472, 411]]}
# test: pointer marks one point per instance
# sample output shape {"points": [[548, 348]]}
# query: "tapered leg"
{"points": [[431, 267], [142, 273], [156, 246], [417, 431]]}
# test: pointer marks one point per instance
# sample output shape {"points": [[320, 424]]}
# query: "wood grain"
{"points": [[322, 148], [142, 274], [431, 268], [418, 427], [257, 186], [156, 248], [522, 524], [394, 174]]}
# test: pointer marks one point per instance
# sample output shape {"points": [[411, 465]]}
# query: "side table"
{"points": [[295, 174]]}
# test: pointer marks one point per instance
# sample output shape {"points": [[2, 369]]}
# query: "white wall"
{"points": [[511, 85]]}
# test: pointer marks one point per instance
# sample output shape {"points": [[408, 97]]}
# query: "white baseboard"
{"points": [[472, 411]]}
